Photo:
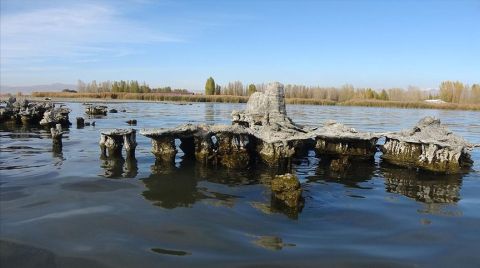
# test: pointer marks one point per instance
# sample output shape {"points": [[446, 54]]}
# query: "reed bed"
{"points": [[244, 99]]}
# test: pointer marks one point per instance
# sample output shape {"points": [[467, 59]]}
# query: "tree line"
{"points": [[449, 91], [129, 86]]}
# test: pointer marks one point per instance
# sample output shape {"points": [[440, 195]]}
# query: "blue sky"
{"points": [[181, 43]]}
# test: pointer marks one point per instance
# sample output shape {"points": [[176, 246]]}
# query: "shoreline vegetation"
{"points": [[179, 97]]}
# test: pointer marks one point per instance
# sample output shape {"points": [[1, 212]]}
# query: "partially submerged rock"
{"points": [[339, 140], [430, 146], [263, 131], [112, 141], [96, 110], [286, 188], [230, 146], [80, 122], [32, 113], [132, 122], [56, 116]]}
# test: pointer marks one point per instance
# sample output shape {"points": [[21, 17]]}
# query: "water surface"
{"points": [[74, 209]]}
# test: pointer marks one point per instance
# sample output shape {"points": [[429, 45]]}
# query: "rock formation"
{"points": [[336, 139], [56, 116], [430, 146], [264, 132], [286, 188], [112, 141], [33, 113], [96, 110]]}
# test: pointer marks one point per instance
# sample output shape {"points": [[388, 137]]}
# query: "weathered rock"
{"points": [[113, 111], [430, 146], [265, 109], [278, 137], [264, 131], [339, 140], [96, 110], [164, 148], [132, 122], [25, 112], [57, 135], [227, 145], [286, 188], [56, 116], [80, 122], [112, 141]]}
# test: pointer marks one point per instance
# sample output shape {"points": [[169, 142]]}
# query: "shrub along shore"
{"points": [[243, 99]]}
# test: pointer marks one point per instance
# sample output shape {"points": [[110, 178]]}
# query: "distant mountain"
{"points": [[29, 89]]}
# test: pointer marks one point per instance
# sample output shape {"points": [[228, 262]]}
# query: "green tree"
{"points": [[251, 89], [383, 95], [446, 91], [218, 90], [210, 86], [369, 94]]}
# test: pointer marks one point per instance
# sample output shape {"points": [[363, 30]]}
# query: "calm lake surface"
{"points": [[73, 209]]}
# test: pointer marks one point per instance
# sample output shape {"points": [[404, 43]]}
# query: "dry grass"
{"points": [[244, 99]]}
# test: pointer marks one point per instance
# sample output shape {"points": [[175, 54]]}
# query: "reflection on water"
{"points": [[271, 242], [118, 167], [422, 186], [170, 187], [357, 172], [209, 113]]}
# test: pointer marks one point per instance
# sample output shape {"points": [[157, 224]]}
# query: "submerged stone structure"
{"points": [[263, 132], [429, 146]]}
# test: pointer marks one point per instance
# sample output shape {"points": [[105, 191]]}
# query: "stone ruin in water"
{"points": [[263, 132], [34, 113]]}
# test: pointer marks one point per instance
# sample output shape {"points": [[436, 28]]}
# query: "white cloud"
{"points": [[78, 33]]}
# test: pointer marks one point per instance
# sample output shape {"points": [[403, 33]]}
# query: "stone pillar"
{"points": [[233, 150], [205, 150], [164, 148], [277, 153], [80, 122], [113, 145], [276, 100], [129, 139], [103, 148], [57, 135]]}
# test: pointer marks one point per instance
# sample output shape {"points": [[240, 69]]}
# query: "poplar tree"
{"points": [[210, 86]]}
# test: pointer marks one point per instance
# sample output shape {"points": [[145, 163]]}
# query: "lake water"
{"points": [[73, 209]]}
